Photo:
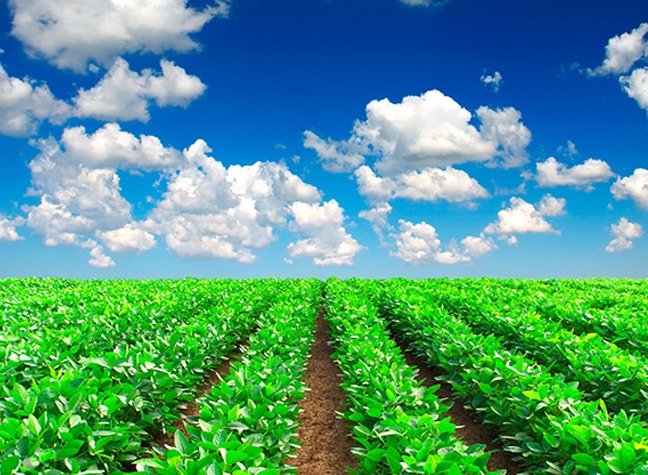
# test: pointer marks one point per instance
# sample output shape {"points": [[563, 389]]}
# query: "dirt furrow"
{"points": [[325, 438], [468, 430]]}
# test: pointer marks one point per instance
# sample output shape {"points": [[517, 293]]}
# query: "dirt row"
{"points": [[324, 436]]}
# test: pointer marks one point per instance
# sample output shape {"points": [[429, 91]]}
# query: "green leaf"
{"points": [[584, 459], [9, 465]]}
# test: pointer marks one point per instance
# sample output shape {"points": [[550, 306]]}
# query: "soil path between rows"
{"points": [[190, 409], [326, 439], [468, 430]]}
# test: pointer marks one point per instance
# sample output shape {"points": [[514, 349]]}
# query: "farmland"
{"points": [[97, 376]]}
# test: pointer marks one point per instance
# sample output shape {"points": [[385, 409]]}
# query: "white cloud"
{"points": [[634, 187], [569, 150], [551, 206], [522, 217], [624, 232], [504, 128], [110, 147], [477, 246], [432, 184], [429, 184], [24, 105], [212, 211], [623, 51], [75, 201], [552, 173], [99, 259], [493, 81], [420, 244], [129, 238], [378, 217], [73, 33], [636, 86], [336, 157], [8, 228], [427, 131], [125, 95], [327, 240]]}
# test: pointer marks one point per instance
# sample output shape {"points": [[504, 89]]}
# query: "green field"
{"points": [[95, 374]]}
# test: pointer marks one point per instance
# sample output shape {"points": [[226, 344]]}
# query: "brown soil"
{"points": [[326, 440], [190, 409], [468, 430]]}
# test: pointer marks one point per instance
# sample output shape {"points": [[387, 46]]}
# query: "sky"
{"points": [[369, 138]]}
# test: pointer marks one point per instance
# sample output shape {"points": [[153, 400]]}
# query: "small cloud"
{"points": [[624, 232], [552, 173], [522, 217], [568, 150], [634, 187], [623, 51], [493, 81]]}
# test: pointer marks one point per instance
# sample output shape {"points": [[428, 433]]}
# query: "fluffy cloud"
{"points": [[503, 127], [553, 173], [477, 246], [429, 184], [73, 33], [624, 232], [336, 157], [8, 228], [378, 217], [75, 202], [634, 187], [25, 104], [212, 211], [493, 81], [522, 217], [111, 147], [123, 94], [623, 51], [427, 131], [636, 86], [129, 238], [327, 241], [419, 244]]}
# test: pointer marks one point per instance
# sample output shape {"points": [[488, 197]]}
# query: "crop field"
{"points": [[227, 376]]}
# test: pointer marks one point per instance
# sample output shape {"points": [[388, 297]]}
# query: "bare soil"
{"points": [[468, 430], [190, 409], [326, 439]]}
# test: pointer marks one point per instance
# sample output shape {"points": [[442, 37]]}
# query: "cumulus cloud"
{"points": [[634, 187], [504, 128], [427, 131], [552, 173], [429, 184], [522, 217], [130, 238], [327, 241], [99, 259], [111, 147], [624, 232], [74, 33], [75, 202], [623, 51], [419, 244], [24, 104], [8, 228], [636, 86], [494, 81], [336, 156], [125, 95], [212, 211], [477, 246]]}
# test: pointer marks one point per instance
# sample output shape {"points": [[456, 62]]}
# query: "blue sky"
{"points": [[369, 138]]}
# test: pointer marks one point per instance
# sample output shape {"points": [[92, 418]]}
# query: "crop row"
{"points": [[247, 422], [87, 381], [398, 423], [543, 418]]}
